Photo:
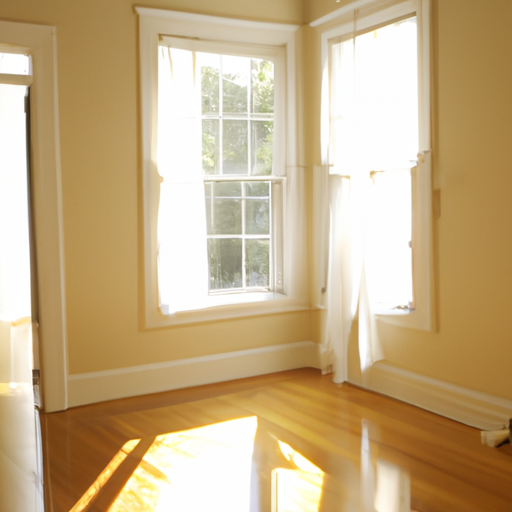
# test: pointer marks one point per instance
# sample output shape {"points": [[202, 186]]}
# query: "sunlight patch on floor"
{"points": [[206, 468], [105, 475], [296, 490]]}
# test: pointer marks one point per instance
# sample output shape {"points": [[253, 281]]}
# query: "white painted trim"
{"points": [[218, 20], [87, 388], [349, 8], [10, 79], [474, 408], [40, 42], [153, 23], [340, 12], [276, 304]]}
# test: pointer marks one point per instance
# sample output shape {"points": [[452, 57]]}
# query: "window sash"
{"points": [[153, 23], [243, 236], [166, 262]]}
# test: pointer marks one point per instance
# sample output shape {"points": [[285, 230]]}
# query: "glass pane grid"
{"points": [[239, 237], [237, 110], [245, 116]]}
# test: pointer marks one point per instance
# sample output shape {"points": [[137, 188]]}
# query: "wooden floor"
{"points": [[287, 442]]}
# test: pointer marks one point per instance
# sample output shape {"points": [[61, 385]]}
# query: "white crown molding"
{"points": [[87, 388]]}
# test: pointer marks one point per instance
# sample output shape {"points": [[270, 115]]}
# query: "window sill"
{"points": [[409, 318], [384, 311], [243, 305]]}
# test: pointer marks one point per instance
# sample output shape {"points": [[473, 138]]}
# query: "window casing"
{"points": [[285, 288], [349, 22]]}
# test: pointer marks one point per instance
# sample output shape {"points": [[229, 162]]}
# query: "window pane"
{"points": [[228, 189], [225, 263], [227, 217], [257, 216], [235, 79], [209, 82], [387, 108], [235, 147], [390, 255], [257, 262], [262, 147], [211, 146], [223, 208], [14, 64], [374, 116], [262, 98], [257, 189]]}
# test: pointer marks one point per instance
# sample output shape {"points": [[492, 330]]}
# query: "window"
{"points": [[237, 136], [374, 131], [222, 193], [376, 79]]}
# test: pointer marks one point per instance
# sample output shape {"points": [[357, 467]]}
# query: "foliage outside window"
{"points": [[223, 197], [237, 104]]}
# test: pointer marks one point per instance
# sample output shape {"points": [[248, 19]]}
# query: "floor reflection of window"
{"points": [[232, 466], [207, 468], [296, 490]]}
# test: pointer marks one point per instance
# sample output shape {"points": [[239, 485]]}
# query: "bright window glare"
{"points": [[206, 468], [300, 489], [296, 490], [389, 239], [15, 301], [298, 460], [375, 132], [393, 489], [236, 68], [104, 476], [14, 64]]}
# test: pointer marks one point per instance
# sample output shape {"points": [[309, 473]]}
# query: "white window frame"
{"points": [[221, 33], [370, 13]]}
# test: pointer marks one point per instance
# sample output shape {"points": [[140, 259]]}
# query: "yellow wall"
{"points": [[473, 236], [100, 139], [98, 81], [473, 346]]}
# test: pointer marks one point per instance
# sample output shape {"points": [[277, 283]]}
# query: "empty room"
{"points": [[255, 255]]}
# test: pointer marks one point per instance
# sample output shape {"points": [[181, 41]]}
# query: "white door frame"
{"points": [[40, 41]]}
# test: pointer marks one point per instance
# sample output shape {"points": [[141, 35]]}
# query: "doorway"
{"points": [[20, 439]]}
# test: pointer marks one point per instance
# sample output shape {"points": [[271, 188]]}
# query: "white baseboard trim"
{"points": [[88, 388], [480, 410]]}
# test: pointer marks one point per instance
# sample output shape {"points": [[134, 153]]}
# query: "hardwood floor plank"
{"points": [[357, 441]]}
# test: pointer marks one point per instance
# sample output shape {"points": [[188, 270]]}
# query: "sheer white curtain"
{"points": [[371, 116], [182, 249]]}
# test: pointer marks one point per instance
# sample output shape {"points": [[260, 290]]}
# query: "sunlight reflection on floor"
{"points": [[214, 468], [296, 490], [95, 488], [207, 468]]}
